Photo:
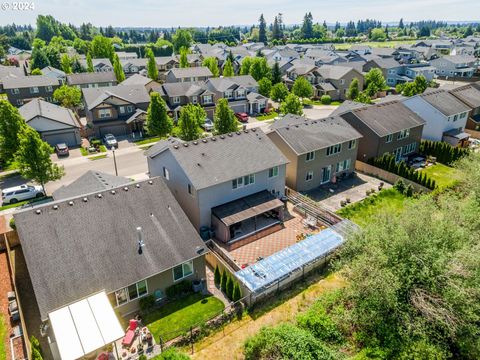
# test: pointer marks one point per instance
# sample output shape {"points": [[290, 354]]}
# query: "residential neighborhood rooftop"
{"points": [[10, 82], [93, 77], [445, 102], [38, 107], [130, 93]]}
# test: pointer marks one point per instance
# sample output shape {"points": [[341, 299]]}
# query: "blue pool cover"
{"points": [[280, 265]]}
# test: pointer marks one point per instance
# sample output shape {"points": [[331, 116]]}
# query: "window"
{"points": [[121, 296], [104, 113], [194, 99], [455, 118], [176, 100], [122, 109], [334, 149], [166, 174], [229, 94], [182, 271], [207, 99], [49, 88], [130, 108], [15, 91], [19, 102], [389, 138], [310, 156], [403, 134], [34, 90], [131, 292], [272, 172], [408, 149], [342, 81], [352, 144], [309, 176], [243, 181]]}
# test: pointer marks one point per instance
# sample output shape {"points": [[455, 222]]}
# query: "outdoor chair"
{"points": [[130, 334]]}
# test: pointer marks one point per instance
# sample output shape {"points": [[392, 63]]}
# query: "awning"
{"points": [[246, 208], [457, 134], [85, 326]]}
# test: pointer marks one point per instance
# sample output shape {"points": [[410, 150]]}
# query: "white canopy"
{"points": [[85, 326]]}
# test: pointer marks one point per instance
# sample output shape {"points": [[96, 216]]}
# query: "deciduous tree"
{"points": [[228, 68], [279, 92], [191, 116], [259, 68], [264, 86], [212, 63], [158, 123], [66, 64], [353, 90], [90, 68], [182, 39], [11, 124], [302, 88], [292, 105], [68, 96]]}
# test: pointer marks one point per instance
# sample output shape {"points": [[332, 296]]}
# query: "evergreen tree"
{"points": [[191, 116], [11, 125], [276, 30], [158, 123], [237, 294], [262, 30], [117, 69], [228, 68], [223, 283], [212, 64], [39, 59], [400, 24], [90, 68], [224, 119], [307, 26], [353, 90], [276, 73], [33, 158], [230, 288], [152, 69], [218, 276], [184, 58]]}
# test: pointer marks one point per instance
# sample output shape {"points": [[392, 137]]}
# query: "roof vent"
{"points": [[195, 143], [137, 186], [214, 138], [150, 182], [113, 192], [199, 249], [245, 131], [203, 154], [70, 203], [230, 134], [175, 146], [254, 129], [198, 164], [222, 136], [125, 188], [99, 196], [55, 207], [38, 211], [238, 132], [85, 199], [185, 144], [204, 140], [287, 128]]}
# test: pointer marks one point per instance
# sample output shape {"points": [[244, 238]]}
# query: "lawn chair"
{"points": [[130, 334]]}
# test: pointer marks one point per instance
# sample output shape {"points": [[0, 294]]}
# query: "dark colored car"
{"points": [[242, 117], [62, 149], [110, 141]]}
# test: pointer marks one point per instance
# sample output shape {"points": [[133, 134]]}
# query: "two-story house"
{"points": [[114, 109], [445, 116], [334, 80], [390, 127], [455, 66], [137, 79], [470, 95], [99, 65], [133, 66], [319, 151], [392, 70], [92, 80], [54, 73], [9, 71], [199, 73], [231, 183], [22, 89]]}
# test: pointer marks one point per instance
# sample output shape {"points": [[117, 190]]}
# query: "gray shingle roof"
{"points": [[90, 182], [89, 246], [102, 62], [386, 63], [347, 105], [446, 103], [11, 71], [135, 94], [188, 88], [38, 107], [469, 94], [91, 78], [218, 159], [386, 118], [29, 81], [136, 79], [333, 71], [190, 72], [311, 135]]}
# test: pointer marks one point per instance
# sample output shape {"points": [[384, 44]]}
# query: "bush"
{"points": [[317, 321], [326, 99], [400, 186], [171, 354], [181, 289], [142, 357], [36, 350], [147, 302], [12, 223], [445, 153], [95, 142], [218, 276]]}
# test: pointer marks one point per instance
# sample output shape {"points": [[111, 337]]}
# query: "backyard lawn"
{"points": [[269, 116], [175, 318], [442, 174], [3, 338], [364, 211], [147, 140]]}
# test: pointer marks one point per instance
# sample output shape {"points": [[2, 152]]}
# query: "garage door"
{"points": [[239, 108], [116, 130], [68, 138]]}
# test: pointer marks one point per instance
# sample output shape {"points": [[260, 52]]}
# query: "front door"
{"points": [[326, 172]]}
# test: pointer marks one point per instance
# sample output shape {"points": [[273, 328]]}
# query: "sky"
{"points": [[184, 13]]}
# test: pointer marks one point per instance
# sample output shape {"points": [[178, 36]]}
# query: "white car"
{"points": [[20, 193], [208, 125], [110, 141]]}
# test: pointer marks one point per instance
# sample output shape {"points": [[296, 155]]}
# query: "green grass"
{"points": [[387, 44], [13, 165], [365, 211], [318, 102], [176, 318], [98, 157], [269, 116], [147, 140], [443, 175], [20, 203], [3, 338], [84, 151], [102, 148]]}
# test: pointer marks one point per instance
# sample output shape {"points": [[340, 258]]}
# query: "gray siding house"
{"points": [[390, 127], [230, 183], [21, 90], [200, 73], [319, 151], [99, 65], [470, 95], [455, 66], [92, 80]]}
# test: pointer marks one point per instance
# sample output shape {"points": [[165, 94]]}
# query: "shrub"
{"points": [[142, 357], [95, 142], [444, 152], [400, 186], [326, 99], [171, 354], [218, 276], [36, 350], [230, 286], [409, 190], [223, 282], [237, 292], [147, 302], [12, 223], [317, 321]]}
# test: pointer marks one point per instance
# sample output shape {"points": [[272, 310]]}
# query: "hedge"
{"points": [[444, 152]]}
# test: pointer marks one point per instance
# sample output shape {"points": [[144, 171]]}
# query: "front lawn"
{"points": [[318, 102], [20, 203], [362, 212], [176, 318], [148, 140], [98, 157], [269, 116], [443, 175]]}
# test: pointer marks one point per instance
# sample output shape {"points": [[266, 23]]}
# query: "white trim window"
{"points": [[334, 149], [309, 176], [182, 271], [229, 94], [104, 113], [130, 108], [194, 99], [16, 91], [343, 165], [240, 93], [352, 144], [132, 292], [273, 172], [408, 149], [310, 156], [243, 181], [34, 90], [166, 174], [389, 138], [176, 99], [403, 134], [207, 99], [49, 88], [121, 109]]}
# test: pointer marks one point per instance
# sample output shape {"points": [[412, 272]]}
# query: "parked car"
{"points": [[110, 141], [62, 149], [242, 117], [20, 193], [208, 125]]}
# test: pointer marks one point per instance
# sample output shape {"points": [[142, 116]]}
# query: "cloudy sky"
{"points": [[167, 13]]}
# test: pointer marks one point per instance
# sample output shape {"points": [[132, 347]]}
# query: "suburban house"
{"points": [[470, 95], [144, 81], [54, 73], [9, 71], [200, 73], [115, 110], [439, 46], [22, 89], [445, 116], [54, 123], [99, 65], [92, 258], [455, 66], [319, 151], [123, 55], [92, 80], [133, 65], [392, 70], [390, 127], [334, 80], [230, 183]]}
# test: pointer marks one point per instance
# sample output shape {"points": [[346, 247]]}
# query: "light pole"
{"points": [[114, 160]]}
